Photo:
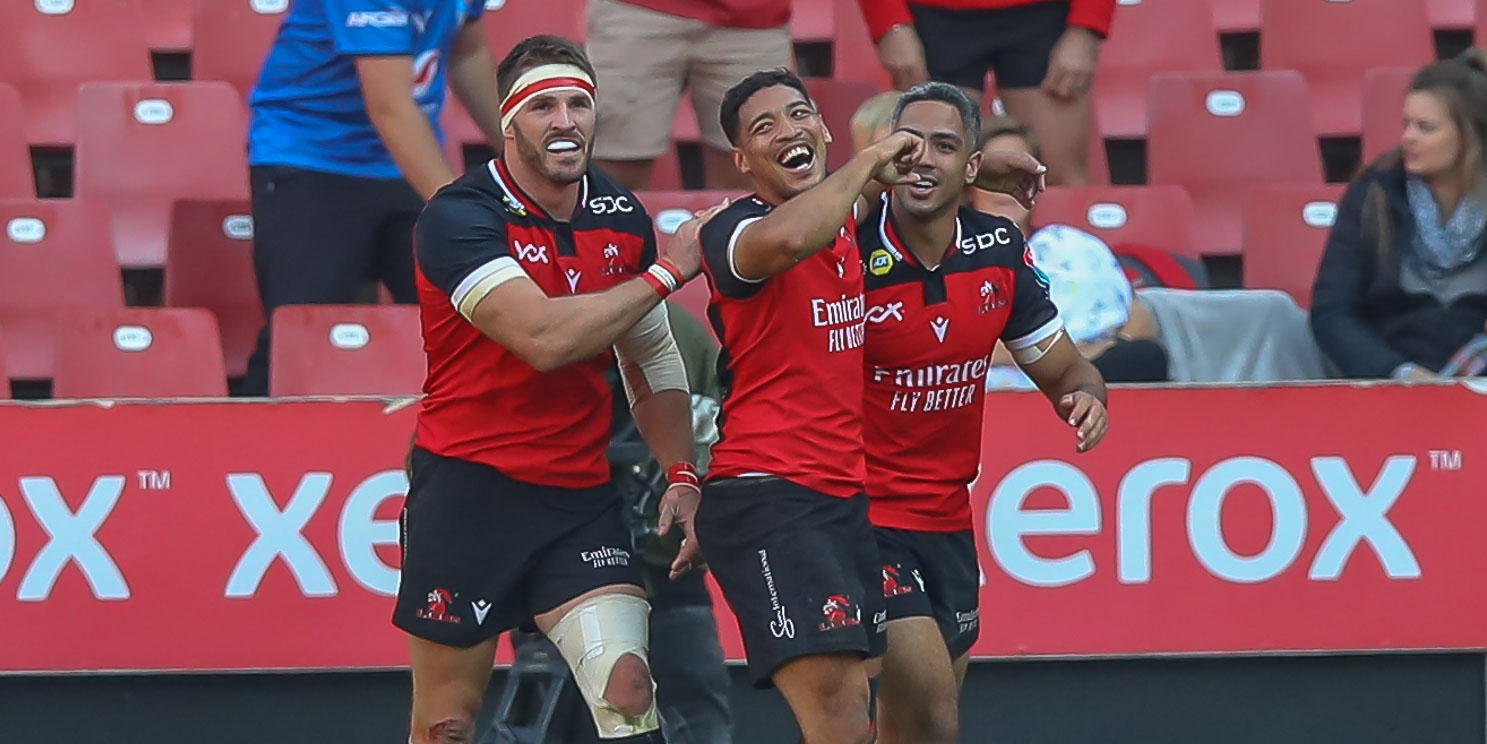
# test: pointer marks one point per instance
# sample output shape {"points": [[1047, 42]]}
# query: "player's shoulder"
{"points": [[721, 228], [989, 237], [609, 200]]}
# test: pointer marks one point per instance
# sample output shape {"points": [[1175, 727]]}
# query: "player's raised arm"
{"points": [[467, 256]]}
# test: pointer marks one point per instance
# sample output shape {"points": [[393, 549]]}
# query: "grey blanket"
{"points": [[1235, 336]]}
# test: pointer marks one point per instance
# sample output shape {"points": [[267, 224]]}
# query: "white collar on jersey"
{"points": [[897, 251], [514, 193]]}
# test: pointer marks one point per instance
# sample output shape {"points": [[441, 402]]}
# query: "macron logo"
{"points": [[377, 19]]}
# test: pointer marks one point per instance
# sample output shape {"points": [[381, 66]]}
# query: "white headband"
{"points": [[544, 79]]}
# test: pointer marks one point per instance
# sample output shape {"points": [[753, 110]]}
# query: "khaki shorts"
{"points": [[646, 58]]}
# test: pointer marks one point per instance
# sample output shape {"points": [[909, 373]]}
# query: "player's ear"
{"points": [[739, 161], [973, 166], [825, 130]]}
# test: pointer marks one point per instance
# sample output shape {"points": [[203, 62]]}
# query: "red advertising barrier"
{"points": [[223, 536]]}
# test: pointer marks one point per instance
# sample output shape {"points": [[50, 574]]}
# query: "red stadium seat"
{"points": [[507, 22], [853, 56], [1098, 169], [53, 46], [1455, 15], [1236, 16], [168, 24], [4, 380], [1150, 36], [1383, 99], [1285, 230], [1217, 134], [812, 20], [54, 255], [346, 350], [138, 352], [233, 38], [209, 264], [837, 101], [16, 178], [1331, 44], [1157, 216], [143, 146]]}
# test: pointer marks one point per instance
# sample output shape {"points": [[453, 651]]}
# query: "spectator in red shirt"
{"points": [[1043, 52], [649, 50]]}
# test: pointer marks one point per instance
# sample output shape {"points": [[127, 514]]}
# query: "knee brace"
{"points": [[592, 637]]}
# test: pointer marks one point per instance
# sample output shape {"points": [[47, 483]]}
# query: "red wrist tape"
{"points": [[683, 473], [656, 284]]}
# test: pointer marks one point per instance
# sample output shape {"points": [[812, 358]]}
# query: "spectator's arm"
{"points": [[387, 87], [1342, 279], [472, 76], [1094, 15]]}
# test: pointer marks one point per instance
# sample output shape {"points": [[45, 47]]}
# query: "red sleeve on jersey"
{"points": [[1094, 15], [456, 235], [718, 237], [883, 15]]}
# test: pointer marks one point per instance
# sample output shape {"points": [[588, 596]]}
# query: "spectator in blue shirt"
{"points": [[345, 144]]}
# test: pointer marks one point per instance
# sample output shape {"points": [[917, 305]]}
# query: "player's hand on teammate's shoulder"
{"points": [[1088, 415], [897, 155], [684, 250], [1014, 173]]}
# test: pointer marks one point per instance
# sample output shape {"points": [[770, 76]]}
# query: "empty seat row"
{"points": [[177, 352]]}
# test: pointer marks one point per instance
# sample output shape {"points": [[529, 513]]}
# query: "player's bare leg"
{"points": [[628, 688], [960, 671], [829, 695], [918, 691], [1062, 128], [448, 686]]}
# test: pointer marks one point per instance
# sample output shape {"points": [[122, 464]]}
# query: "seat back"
{"points": [[138, 352], [233, 38], [1285, 232], [16, 178], [209, 264], [346, 350], [1383, 99], [54, 255], [1150, 36], [1159, 216]]}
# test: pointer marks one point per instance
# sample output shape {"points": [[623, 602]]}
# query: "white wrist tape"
{"points": [[649, 359], [665, 277]]}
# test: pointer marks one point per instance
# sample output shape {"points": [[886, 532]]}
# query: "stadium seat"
{"points": [[1285, 230], [812, 20], [143, 146], [1098, 169], [138, 352], [507, 22], [1331, 43], [1149, 36], [4, 380], [16, 179], [54, 46], [168, 25], [1217, 134], [1453, 15], [838, 100], [1383, 98], [209, 264], [853, 56], [1156, 216], [1236, 16], [346, 350], [233, 38], [54, 255]]}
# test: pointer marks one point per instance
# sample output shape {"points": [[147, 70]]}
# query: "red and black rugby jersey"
{"points": [[481, 402], [791, 365], [930, 334]]}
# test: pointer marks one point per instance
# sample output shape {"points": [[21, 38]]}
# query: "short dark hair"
{"points": [[740, 93], [533, 51], [970, 113]]}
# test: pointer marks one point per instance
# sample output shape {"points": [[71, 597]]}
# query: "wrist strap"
{"points": [[683, 474], [663, 277]]}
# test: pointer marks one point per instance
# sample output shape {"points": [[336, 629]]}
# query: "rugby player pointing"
{"points": [[529, 270], [944, 283], [784, 520]]}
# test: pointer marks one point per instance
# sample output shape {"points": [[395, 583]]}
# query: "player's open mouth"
{"points": [[797, 159], [563, 146], [923, 185]]}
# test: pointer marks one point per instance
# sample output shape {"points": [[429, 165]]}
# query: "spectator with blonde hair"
{"points": [[1402, 284], [873, 119]]}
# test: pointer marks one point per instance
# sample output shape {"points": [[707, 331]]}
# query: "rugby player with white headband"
{"points": [[530, 270]]}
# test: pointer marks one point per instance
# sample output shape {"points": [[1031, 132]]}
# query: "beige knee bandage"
{"points": [[592, 637]]}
